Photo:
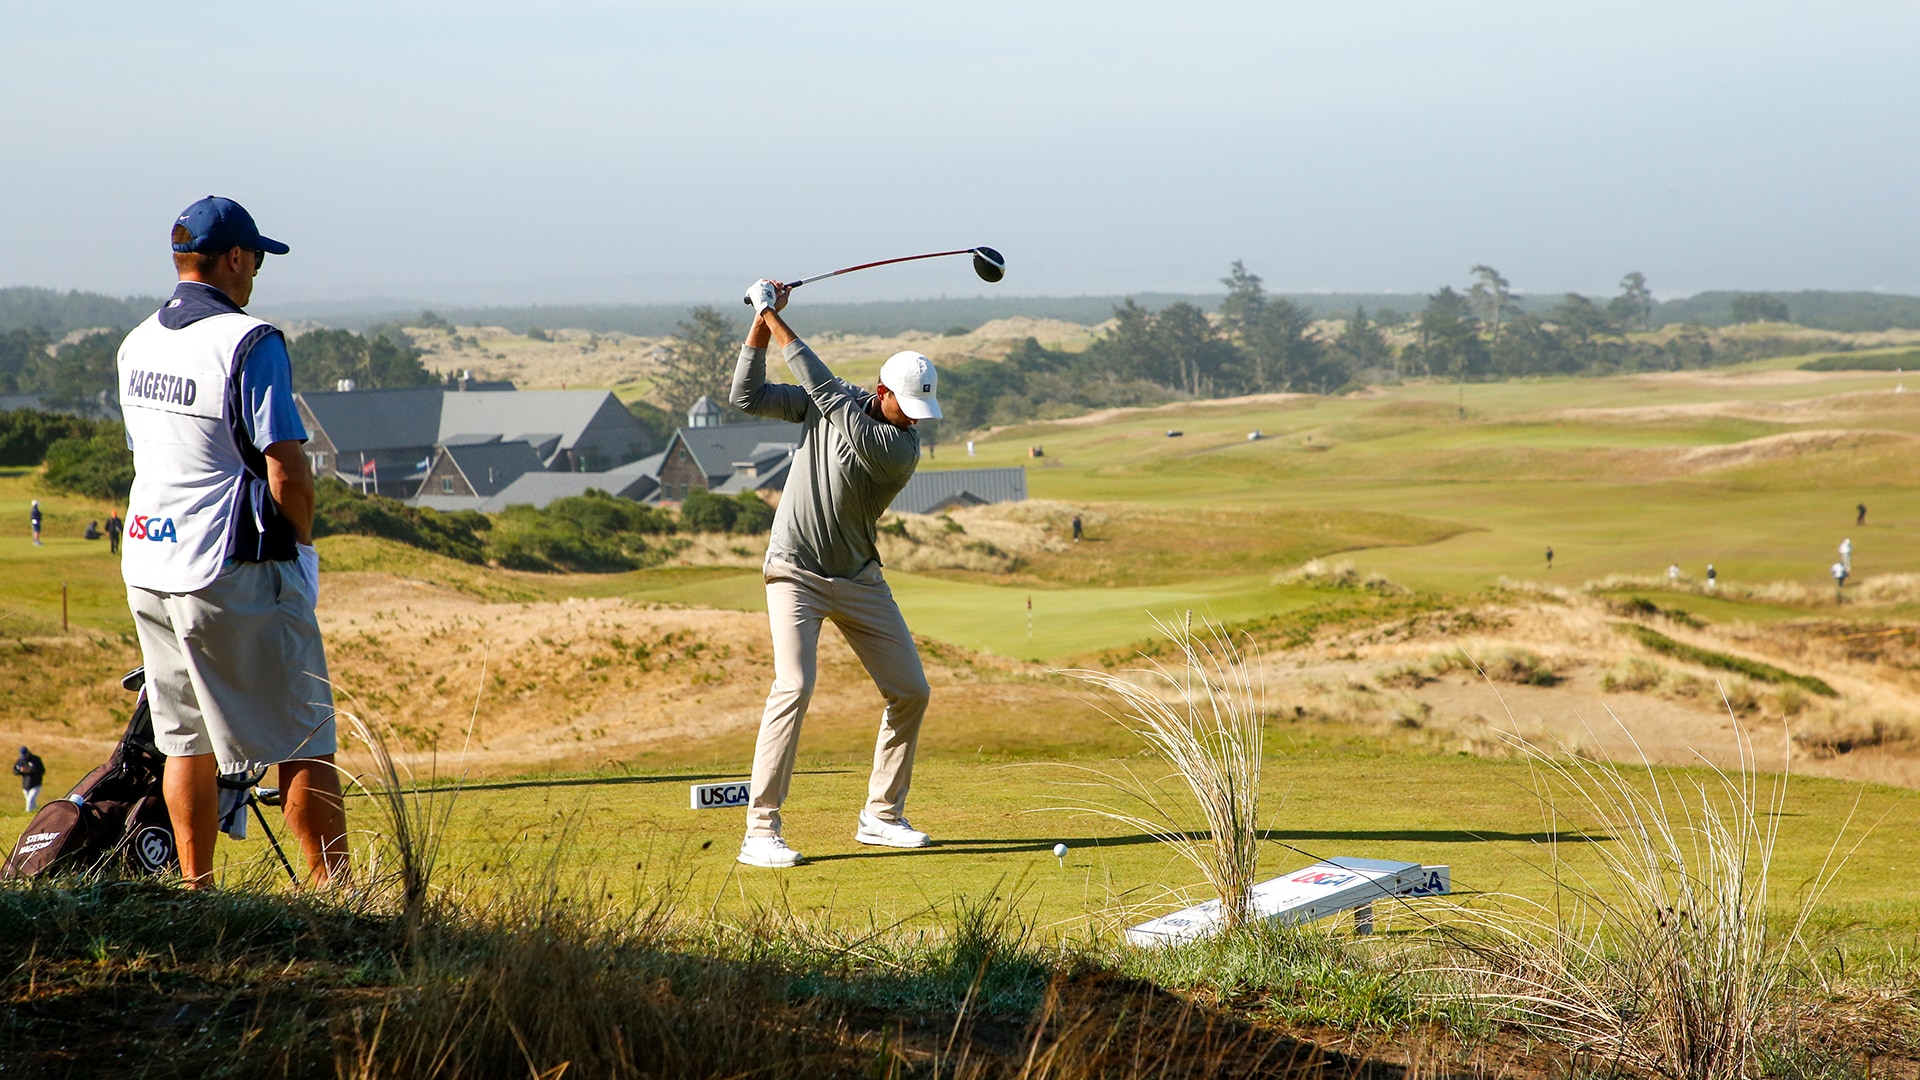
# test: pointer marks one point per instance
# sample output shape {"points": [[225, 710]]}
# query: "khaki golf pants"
{"points": [[863, 608]]}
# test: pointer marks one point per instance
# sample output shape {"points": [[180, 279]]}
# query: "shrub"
{"points": [[339, 510], [591, 533], [533, 543], [534, 333], [1640, 607], [703, 511], [25, 434], [1900, 361], [99, 466], [598, 513]]}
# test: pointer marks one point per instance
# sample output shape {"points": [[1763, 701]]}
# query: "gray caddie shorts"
{"points": [[237, 669]]}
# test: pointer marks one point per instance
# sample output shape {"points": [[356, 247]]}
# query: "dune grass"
{"points": [[1719, 661]]}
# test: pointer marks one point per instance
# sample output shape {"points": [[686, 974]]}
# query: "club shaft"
{"points": [[870, 265]]}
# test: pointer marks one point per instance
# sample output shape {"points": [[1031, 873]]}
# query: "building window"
{"points": [[446, 485]]}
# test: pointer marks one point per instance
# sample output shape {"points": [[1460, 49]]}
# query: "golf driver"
{"points": [[987, 262]]}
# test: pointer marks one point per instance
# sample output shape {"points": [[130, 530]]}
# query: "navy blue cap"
{"points": [[215, 224]]}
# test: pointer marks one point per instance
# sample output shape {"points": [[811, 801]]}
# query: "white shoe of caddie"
{"points": [[889, 834], [769, 851]]}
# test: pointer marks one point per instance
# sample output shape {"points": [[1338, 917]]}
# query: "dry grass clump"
{"points": [[1665, 959], [1879, 589], [718, 549], [1206, 717], [1506, 663], [1831, 732], [1320, 574], [994, 539], [1354, 703], [1636, 675], [1403, 677]]}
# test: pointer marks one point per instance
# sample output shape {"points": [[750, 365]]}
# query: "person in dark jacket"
{"points": [[31, 771], [114, 527]]}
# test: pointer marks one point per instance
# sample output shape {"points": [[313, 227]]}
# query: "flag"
{"points": [[367, 468], [422, 464]]}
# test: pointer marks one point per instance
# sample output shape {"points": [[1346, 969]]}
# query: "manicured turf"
{"points": [[1325, 796]]}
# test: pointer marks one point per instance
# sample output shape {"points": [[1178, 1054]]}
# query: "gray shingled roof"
{"points": [[765, 478], [384, 420], [489, 467], [931, 491], [715, 449], [537, 489], [527, 414], [370, 420]]}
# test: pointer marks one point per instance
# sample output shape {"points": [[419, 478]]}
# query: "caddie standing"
{"points": [[218, 559], [857, 450]]}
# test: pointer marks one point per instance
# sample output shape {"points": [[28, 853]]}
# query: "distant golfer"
{"points": [[32, 772], [115, 526], [1078, 532], [1846, 553], [1860, 514], [1673, 575], [1839, 572], [1713, 577], [1549, 556], [857, 450], [34, 516]]}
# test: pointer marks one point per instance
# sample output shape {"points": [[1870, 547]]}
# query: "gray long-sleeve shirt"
{"points": [[846, 472]]}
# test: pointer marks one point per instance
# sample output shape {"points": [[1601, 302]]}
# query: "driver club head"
{"points": [[989, 264]]}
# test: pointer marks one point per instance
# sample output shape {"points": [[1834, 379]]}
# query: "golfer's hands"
{"points": [[768, 295], [764, 295]]}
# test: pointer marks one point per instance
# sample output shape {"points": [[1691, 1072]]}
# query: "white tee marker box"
{"points": [[726, 795], [1323, 889]]}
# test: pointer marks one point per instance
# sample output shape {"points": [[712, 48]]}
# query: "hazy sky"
{"points": [[575, 151]]}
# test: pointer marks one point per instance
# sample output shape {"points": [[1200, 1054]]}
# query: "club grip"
{"points": [[790, 288]]}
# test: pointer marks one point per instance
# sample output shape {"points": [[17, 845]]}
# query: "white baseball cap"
{"points": [[911, 377]]}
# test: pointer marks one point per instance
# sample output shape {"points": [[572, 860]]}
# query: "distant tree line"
{"points": [[380, 358], [30, 363], [1258, 342]]}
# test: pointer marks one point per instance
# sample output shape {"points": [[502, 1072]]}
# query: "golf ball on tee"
{"points": [[1059, 851]]}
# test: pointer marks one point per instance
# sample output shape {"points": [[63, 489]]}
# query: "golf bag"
{"points": [[114, 814]]}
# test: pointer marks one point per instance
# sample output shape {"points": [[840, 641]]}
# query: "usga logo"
{"points": [[155, 529], [1325, 878]]}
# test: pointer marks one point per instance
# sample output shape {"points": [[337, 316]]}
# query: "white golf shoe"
{"points": [[889, 834], [769, 851]]}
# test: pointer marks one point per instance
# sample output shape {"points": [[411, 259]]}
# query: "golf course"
{"points": [[1429, 690]]}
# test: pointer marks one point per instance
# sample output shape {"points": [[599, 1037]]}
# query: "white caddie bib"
{"points": [[187, 472]]}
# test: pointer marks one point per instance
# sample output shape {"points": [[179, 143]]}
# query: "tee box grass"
{"points": [[995, 822]]}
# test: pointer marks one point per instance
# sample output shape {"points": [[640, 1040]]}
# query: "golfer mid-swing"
{"points": [[857, 450]]}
